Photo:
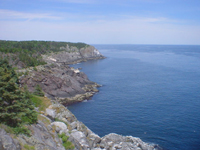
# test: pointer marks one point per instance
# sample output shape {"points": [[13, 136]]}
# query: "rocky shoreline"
{"points": [[60, 82], [64, 85], [57, 119]]}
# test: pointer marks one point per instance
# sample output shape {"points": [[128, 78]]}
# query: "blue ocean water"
{"points": [[148, 91]]}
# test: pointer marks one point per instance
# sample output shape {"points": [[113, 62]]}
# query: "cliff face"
{"points": [[58, 80], [57, 119], [71, 55]]}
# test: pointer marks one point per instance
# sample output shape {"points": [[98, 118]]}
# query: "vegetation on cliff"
{"points": [[16, 107], [29, 52]]}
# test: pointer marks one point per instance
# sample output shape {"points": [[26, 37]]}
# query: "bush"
{"points": [[61, 135], [28, 147], [65, 138], [16, 130], [22, 130], [67, 144]]}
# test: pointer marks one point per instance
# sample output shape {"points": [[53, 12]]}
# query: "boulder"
{"points": [[79, 139], [50, 113], [60, 127]]}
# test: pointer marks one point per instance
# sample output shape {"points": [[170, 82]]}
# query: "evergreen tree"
{"points": [[15, 106]]}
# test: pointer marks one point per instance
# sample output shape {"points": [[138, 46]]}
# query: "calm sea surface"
{"points": [[148, 91]]}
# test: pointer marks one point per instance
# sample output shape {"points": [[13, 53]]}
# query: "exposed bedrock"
{"points": [[72, 55], [60, 82], [45, 135]]}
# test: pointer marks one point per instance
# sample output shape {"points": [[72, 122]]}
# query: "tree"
{"points": [[15, 105]]}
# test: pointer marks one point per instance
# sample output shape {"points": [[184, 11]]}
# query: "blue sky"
{"points": [[102, 21]]}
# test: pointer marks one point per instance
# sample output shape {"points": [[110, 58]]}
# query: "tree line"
{"points": [[29, 52]]}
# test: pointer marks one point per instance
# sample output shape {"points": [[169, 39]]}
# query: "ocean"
{"points": [[148, 91]]}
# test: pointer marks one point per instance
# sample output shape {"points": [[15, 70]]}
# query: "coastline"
{"points": [[59, 81], [112, 140]]}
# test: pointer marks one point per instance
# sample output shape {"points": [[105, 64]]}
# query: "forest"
{"points": [[29, 52]]}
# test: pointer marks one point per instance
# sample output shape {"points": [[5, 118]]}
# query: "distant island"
{"points": [[36, 85]]}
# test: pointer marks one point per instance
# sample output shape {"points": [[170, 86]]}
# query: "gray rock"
{"points": [[42, 138], [79, 139], [74, 125], [61, 83], [50, 113], [60, 127], [93, 139], [115, 141], [7, 143]]}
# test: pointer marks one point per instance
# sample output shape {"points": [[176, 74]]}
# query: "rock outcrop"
{"points": [[59, 82], [7, 142], [61, 120], [71, 55]]}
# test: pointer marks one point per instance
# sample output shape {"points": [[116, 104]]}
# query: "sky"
{"points": [[175, 22]]}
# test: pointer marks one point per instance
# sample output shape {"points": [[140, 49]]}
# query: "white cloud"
{"points": [[9, 14], [127, 30]]}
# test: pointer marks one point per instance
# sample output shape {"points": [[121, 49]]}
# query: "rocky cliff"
{"points": [[58, 80], [57, 128], [57, 120], [71, 55]]}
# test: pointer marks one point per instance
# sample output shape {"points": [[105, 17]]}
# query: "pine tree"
{"points": [[15, 105]]}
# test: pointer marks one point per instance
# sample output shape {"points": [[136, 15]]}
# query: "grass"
{"points": [[16, 130], [44, 120], [28, 147], [41, 102], [7, 128], [67, 144]]}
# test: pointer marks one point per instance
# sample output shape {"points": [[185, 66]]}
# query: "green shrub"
{"points": [[28, 147], [65, 138], [16, 130], [61, 135], [67, 144], [22, 130]]}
